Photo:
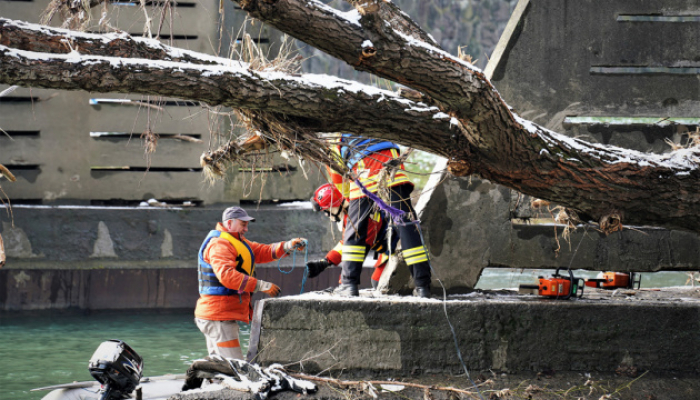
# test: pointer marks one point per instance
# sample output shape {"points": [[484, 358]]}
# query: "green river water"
{"points": [[50, 348]]}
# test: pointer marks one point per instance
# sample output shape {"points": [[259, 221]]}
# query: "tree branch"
{"points": [[602, 182], [462, 117], [38, 38]]}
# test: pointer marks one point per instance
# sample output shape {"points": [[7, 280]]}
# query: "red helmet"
{"points": [[325, 197]]}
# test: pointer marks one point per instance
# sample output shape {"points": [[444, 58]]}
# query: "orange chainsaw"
{"points": [[616, 280], [557, 286]]}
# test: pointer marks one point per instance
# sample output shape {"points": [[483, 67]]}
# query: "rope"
{"points": [[444, 308], [394, 213], [294, 263], [397, 218]]}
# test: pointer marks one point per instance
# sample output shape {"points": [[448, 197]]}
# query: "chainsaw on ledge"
{"points": [[558, 286], [615, 280]]}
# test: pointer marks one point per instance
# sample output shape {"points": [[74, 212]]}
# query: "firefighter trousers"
{"points": [[355, 245]]}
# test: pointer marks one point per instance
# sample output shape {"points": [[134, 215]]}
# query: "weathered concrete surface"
{"points": [[497, 331], [467, 227], [550, 69], [117, 258]]}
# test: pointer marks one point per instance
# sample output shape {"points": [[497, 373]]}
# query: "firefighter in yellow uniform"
{"points": [[367, 158]]}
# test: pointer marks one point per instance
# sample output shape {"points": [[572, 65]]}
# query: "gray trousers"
{"points": [[222, 337]]}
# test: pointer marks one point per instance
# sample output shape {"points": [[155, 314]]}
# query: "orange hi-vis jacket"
{"points": [[368, 169], [222, 256]]}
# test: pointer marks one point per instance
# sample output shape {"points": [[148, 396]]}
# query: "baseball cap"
{"points": [[236, 213]]}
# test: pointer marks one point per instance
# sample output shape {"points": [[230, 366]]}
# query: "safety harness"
{"points": [[355, 149]]}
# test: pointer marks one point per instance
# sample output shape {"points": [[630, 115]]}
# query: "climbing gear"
{"points": [[208, 282], [305, 248], [297, 244], [366, 158], [355, 149], [615, 280], [557, 286]]}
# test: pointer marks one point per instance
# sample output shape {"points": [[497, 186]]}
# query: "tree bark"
{"points": [[316, 103], [460, 116], [601, 182]]}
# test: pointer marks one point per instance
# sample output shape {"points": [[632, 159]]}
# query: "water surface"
{"points": [[50, 348], [53, 348]]}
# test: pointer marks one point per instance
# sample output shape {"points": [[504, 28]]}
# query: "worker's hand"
{"points": [[298, 244], [268, 288], [317, 266]]}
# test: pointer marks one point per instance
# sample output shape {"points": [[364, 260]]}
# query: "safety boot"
{"points": [[422, 291], [347, 290]]}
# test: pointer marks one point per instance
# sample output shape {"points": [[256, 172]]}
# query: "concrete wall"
{"points": [[601, 71], [114, 258], [400, 336]]}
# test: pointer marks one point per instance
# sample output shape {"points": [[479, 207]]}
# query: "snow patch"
{"points": [[679, 161], [351, 17], [410, 41], [70, 36], [296, 205]]}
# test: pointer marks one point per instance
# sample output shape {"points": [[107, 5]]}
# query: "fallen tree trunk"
{"points": [[458, 114], [604, 183]]}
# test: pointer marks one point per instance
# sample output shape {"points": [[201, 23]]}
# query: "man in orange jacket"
{"points": [[227, 280]]}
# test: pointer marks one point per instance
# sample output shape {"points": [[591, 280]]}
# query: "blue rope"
{"points": [[294, 263]]}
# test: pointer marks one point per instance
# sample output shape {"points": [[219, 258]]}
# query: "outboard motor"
{"points": [[117, 367]]}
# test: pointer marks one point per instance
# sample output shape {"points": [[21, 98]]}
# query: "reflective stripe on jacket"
{"points": [[368, 169]]}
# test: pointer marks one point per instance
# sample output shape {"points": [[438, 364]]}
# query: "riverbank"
{"points": [[543, 385]]}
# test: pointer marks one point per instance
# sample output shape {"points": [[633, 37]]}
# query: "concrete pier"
{"points": [[499, 331]]}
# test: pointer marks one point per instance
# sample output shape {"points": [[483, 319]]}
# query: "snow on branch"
{"points": [[325, 103], [32, 37]]}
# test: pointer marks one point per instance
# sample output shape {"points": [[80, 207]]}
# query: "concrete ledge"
{"points": [[498, 331]]}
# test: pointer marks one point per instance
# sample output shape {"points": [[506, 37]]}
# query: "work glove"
{"points": [[298, 244], [268, 288], [317, 266]]}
